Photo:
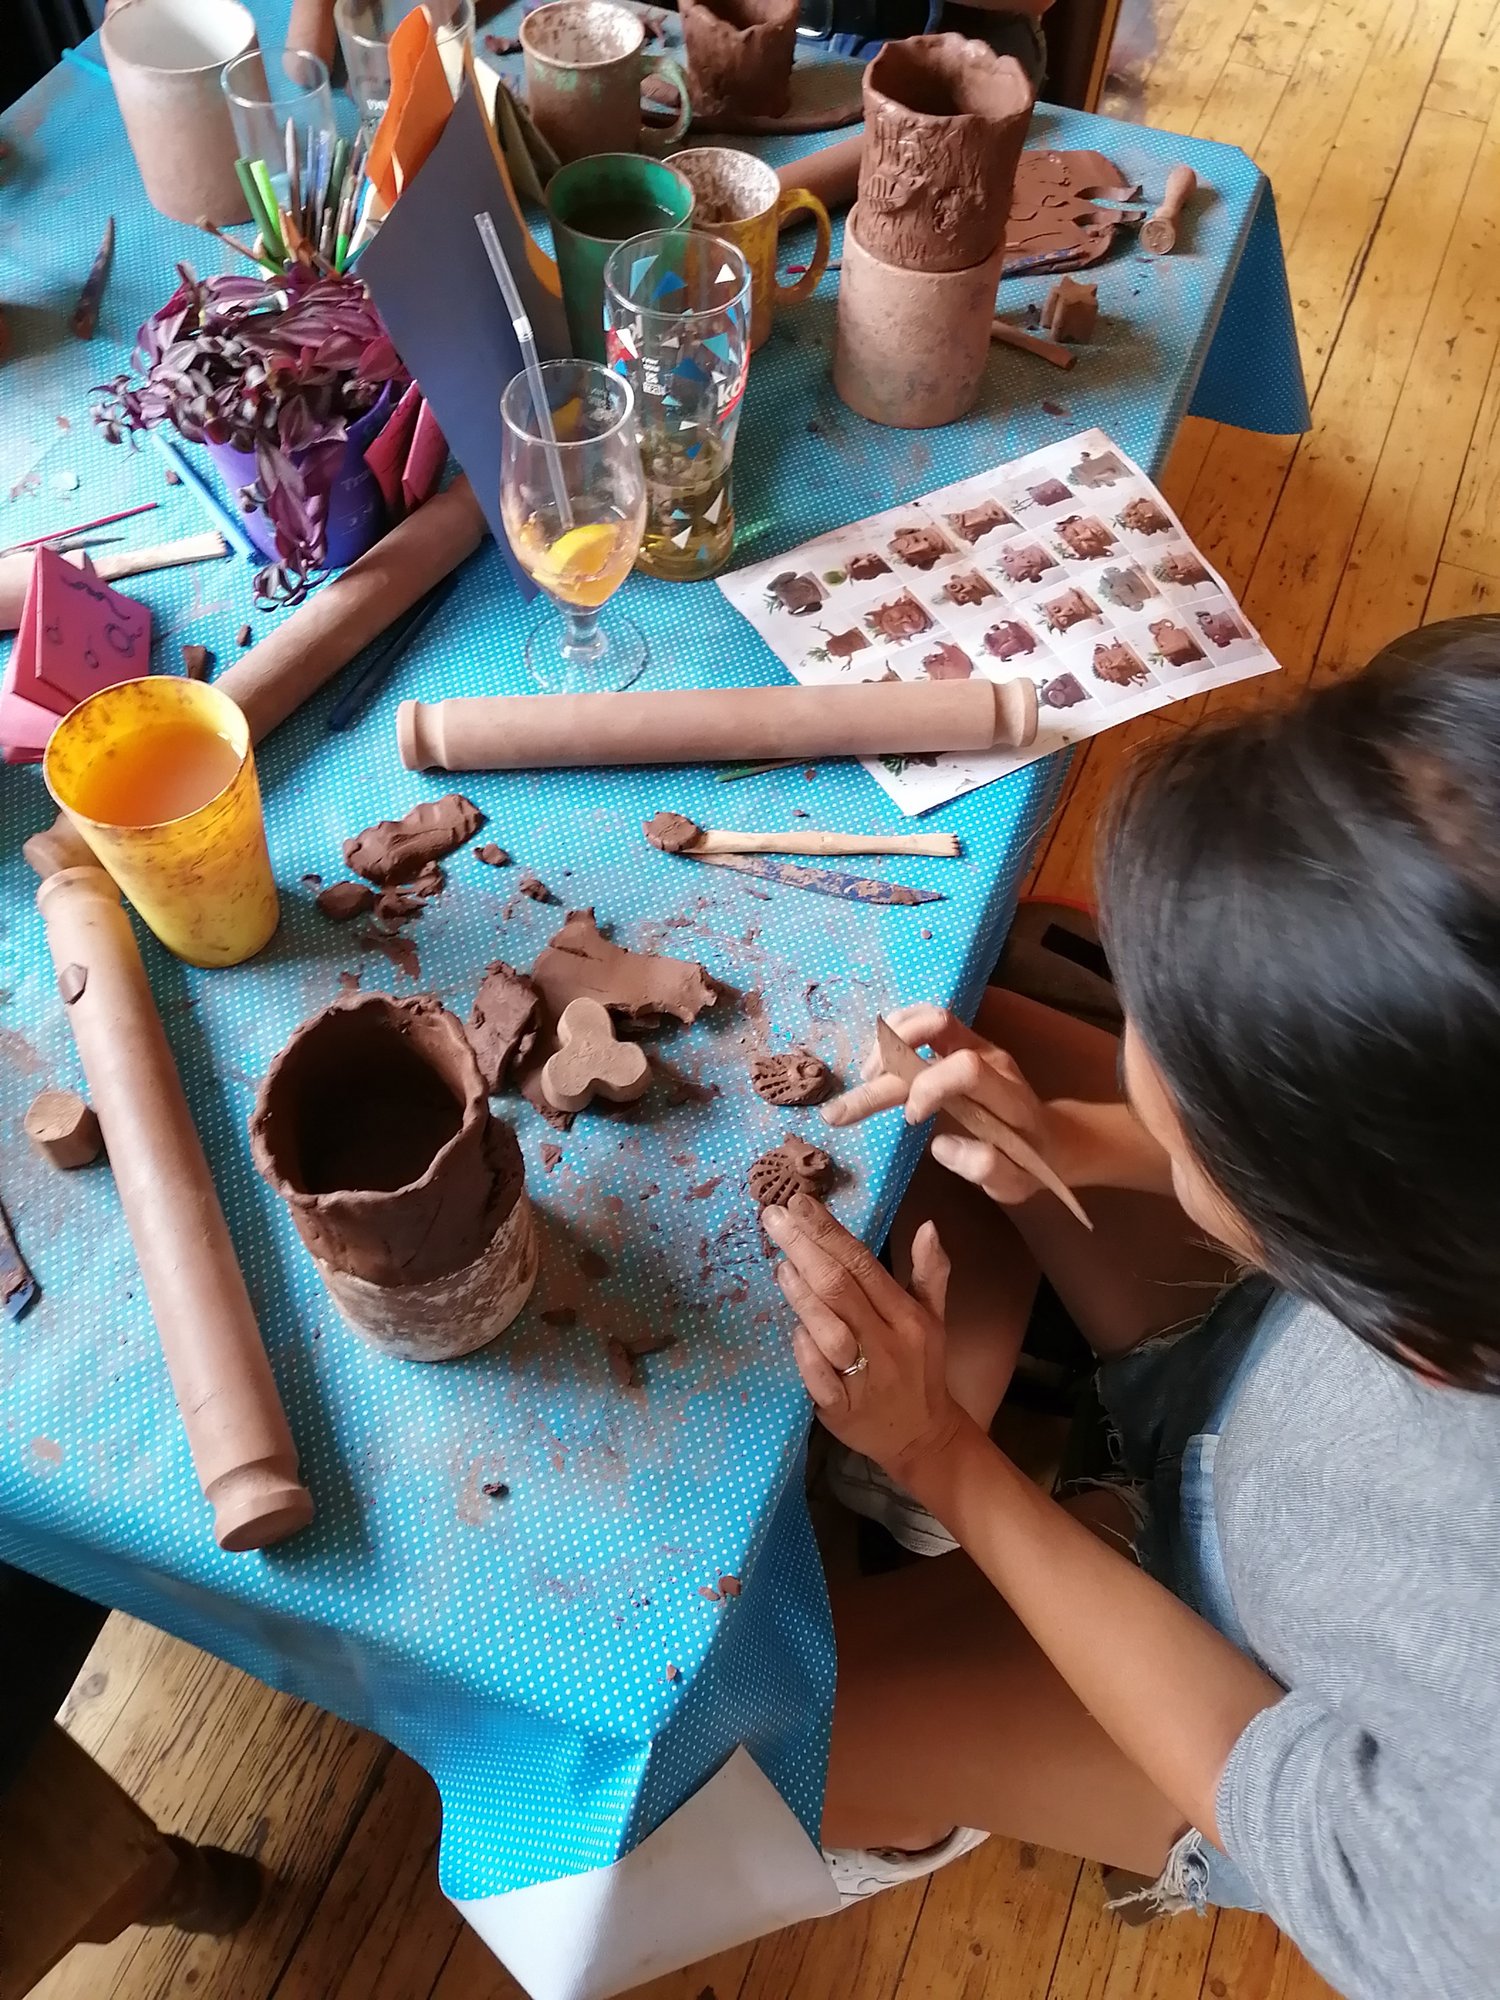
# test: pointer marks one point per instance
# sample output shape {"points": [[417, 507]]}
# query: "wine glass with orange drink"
{"points": [[574, 507]]}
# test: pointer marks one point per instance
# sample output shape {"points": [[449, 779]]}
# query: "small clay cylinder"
{"points": [[374, 1126], [242, 1449], [740, 56], [912, 345], [945, 121], [63, 1129]]}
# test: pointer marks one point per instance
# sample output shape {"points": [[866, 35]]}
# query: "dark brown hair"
{"points": [[1302, 911]]}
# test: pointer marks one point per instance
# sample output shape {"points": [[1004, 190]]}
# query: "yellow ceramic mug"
{"points": [[159, 778], [739, 197]]}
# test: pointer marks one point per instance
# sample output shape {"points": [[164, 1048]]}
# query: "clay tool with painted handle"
{"points": [[903, 1061], [714, 725], [1159, 231], [676, 834], [237, 1432], [822, 881], [18, 1287]]}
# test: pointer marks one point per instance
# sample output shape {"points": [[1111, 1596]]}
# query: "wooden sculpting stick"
{"points": [[1159, 233], [719, 840], [15, 570], [237, 1431], [903, 1061], [1038, 344], [306, 650], [728, 725]]}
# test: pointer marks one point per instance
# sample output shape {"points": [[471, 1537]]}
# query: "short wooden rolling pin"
{"points": [[714, 725], [237, 1431]]}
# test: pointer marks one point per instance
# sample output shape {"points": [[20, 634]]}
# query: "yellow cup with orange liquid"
{"points": [[158, 776]]}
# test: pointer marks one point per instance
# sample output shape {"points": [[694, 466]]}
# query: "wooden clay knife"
{"points": [[902, 1060]]}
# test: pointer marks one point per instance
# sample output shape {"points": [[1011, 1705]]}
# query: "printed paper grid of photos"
{"points": [[1066, 566]]}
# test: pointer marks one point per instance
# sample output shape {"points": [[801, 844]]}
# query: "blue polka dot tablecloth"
{"points": [[563, 1659]]}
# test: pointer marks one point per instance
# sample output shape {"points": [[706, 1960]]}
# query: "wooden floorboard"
{"points": [[1378, 122]]}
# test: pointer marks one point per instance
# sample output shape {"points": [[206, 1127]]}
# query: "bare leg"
{"points": [[947, 1714]]}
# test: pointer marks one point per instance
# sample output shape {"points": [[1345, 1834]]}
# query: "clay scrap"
{"points": [[638, 987], [796, 1077], [672, 832], [502, 1024], [342, 901], [1071, 311], [591, 1063], [63, 1129], [793, 1167], [1053, 223], [397, 850]]}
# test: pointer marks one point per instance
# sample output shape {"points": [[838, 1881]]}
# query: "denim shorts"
{"points": [[1168, 1402]]}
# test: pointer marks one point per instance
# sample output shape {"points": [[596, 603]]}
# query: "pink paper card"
{"points": [[84, 636], [386, 454], [425, 460]]}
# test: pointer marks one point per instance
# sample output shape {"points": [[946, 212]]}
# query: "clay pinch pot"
{"points": [[945, 121], [740, 56], [912, 345], [374, 1126]]}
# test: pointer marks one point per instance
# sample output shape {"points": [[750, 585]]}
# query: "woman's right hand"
{"points": [[966, 1066]]}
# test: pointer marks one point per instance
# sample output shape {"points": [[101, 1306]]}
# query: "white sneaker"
{"points": [[859, 1872], [857, 1483]]}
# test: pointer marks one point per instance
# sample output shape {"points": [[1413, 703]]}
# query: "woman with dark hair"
{"points": [[1259, 1666]]}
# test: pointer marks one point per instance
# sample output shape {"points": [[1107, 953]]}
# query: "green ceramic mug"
{"points": [[595, 205]]}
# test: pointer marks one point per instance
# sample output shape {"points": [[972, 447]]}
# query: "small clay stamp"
{"points": [[793, 1167], [590, 1063], [797, 1077]]}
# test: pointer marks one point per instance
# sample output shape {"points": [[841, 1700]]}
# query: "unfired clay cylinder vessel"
{"points": [[165, 58], [945, 121], [242, 1449], [740, 56], [374, 1126], [912, 345]]}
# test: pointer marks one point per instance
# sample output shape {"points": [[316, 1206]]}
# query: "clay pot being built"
{"points": [[912, 345], [740, 56], [945, 121], [374, 1126]]}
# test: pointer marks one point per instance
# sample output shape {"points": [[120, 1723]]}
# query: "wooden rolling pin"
{"points": [[306, 650], [832, 173], [15, 571], [237, 1431], [714, 725]]}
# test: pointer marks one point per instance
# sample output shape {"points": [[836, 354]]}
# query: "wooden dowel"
{"points": [[1038, 344]]}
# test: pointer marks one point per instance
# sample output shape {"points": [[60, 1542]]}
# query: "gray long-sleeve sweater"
{"points": [[1359, 1517]]}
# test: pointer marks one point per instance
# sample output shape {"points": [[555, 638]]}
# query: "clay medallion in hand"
{"points": [[590, 1063]]}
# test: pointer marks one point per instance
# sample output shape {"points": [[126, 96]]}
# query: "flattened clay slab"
{"points": [[797, 1077], [639, 986], [793, 1167], [396, 850], [502, 1023], [671, 832], [1053, 225]]}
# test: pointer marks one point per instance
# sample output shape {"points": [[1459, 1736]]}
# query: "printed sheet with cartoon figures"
{"points": [[1067, 566]]}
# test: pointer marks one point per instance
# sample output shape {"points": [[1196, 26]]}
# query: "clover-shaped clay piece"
{"points": [[590, 1063]]}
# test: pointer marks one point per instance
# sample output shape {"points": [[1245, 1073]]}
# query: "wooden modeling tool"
{"points": [[236, 1429], [1006, 335], [903, 1061], [713, 725], [821, 881], [676, 834], [85, 316], [1159, 231], [17, 1286], [590, 1062], [15, 570]]}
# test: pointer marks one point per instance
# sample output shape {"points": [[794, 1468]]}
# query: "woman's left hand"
{"points": [[896, 1408]]}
